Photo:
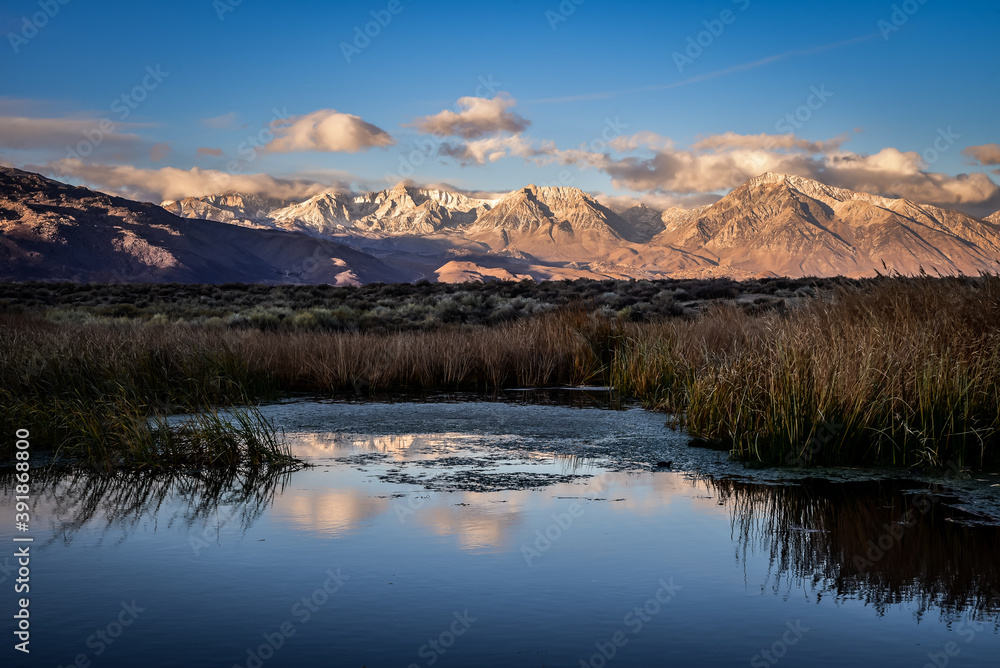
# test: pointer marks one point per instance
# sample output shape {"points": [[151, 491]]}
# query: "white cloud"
{"points": [[490, 149], [327, 130], [477, 117], [721, 162]]}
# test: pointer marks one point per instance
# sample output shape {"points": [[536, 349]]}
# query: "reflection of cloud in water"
{"points": [[479, 527], [330, 512], [485, 521]]}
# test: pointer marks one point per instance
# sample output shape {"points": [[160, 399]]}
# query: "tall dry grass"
{"points": [[900, 370]]}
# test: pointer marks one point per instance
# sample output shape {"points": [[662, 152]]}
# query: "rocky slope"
{"points": [[772, 225], [792, 226], [235, 208], [553, 223], [53, 231], [399, 210], [645, 221]]}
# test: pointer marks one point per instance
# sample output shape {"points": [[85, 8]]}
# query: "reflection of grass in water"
{"points": [[822, 534], [122, 499]]}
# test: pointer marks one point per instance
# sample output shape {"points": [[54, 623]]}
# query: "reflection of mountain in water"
{"points": [[881, 542], [398, 446]]}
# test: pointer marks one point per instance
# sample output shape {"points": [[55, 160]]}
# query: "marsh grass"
{"points": [[883, 371], [894, 371]]}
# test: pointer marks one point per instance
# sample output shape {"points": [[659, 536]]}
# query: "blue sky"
{"points": [[895, 78]]}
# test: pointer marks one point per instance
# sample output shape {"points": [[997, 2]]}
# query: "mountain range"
{"points": [[53, 231], [772, 225]]}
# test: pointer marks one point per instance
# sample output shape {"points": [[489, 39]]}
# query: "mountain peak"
{"points": [[793, 180]]}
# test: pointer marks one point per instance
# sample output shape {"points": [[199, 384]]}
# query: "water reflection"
{"points": [[881, 542], [126, 500], [399, 447]]}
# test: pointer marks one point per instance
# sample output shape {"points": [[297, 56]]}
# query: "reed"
{"points": [[883, 371], [897, 371]]}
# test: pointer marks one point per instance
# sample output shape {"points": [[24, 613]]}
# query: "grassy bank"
{"points": [[897, 371]]}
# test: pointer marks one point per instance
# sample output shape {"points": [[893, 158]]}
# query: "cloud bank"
{"points": [[477, 117], [984, 154], [171, 183]]}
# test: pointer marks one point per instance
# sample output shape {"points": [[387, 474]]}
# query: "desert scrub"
{"points": [[262, 306]]}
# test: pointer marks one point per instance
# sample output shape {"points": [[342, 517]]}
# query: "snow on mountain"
{"points": [[236, 208], [53, 231], [790, 225], [399, 210], [774, 224]]}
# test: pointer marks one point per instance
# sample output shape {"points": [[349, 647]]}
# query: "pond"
{"points": [[511, 532]]}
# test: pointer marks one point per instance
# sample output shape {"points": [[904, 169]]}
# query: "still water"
{"points": [[506, 533]]}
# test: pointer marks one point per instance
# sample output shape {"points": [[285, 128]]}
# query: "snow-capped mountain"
{"points": [[789, 225], [399, 210], [236, 208], [53, 231], [774, 224]]}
